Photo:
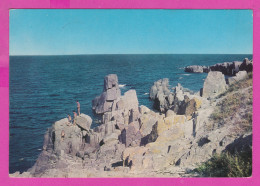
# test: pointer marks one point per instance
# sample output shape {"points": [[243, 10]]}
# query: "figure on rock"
{"points": [[75, 117], [62, 135], [78, 107], [69, 119]]}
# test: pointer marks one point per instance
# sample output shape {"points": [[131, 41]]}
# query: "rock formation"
{"points": [[179, 100], [247, 65], [214, 84], [239, 76], [227, 68], [111, 92], [196, 69], [133, 140]]}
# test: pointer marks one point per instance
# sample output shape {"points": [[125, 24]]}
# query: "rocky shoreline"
{"points": [[227, 68], [134, 141]]}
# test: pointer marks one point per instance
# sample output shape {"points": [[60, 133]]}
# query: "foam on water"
{"points": [[121, 86]]}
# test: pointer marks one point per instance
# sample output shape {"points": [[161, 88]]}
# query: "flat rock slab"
{"points": [[84, 121]]}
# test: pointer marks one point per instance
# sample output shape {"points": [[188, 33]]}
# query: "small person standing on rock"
{"points": [[75, 117], [69, 119], [78, 107], [62, 135]]}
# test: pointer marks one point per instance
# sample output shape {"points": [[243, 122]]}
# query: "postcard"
{"points": [[130, 93]]}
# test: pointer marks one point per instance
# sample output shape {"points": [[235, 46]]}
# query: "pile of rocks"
{"points": [[179, 100], [227, 68]]}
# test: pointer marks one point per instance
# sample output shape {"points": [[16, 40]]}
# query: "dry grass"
{"points": [[235, 107]]}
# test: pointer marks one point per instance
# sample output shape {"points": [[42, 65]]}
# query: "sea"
{"points": [[44, 89]]}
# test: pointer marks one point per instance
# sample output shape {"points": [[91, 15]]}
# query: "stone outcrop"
{"points": [[214, 85], [227, 68], [84, 121], [247, 65], [239, 76], [196, 69], [179, 100], [160, 88], [111, 92]]}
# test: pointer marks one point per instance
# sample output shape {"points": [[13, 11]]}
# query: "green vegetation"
{"points": [[227, 165]]}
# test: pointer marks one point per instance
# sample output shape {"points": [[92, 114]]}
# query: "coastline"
{"points": [[133, 139]]}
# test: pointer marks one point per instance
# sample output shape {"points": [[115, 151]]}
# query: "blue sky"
{"points": [[60, 32]]}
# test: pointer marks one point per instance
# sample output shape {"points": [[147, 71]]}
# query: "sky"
{"points": [[126, 31]]}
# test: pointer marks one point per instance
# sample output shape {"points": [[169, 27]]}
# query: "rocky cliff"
{"points": [[134, 141]]}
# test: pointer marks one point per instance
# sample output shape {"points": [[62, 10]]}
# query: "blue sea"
{"points": [[44, 89]]}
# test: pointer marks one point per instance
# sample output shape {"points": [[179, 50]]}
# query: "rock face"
{"points": [[214, 84], [111, 92]]}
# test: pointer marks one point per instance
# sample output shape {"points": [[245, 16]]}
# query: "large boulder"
{"points": [[110, 81], [84, 121], [214, 84], [130, 100], [146, 123], [111, 92]]}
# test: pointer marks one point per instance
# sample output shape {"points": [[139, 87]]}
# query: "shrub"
{"points": [[227, 165]]}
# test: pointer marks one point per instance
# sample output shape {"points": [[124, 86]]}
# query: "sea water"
{"points": [[44, 89]]}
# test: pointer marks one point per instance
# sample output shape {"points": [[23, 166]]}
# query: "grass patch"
{"points": [[227, 165], [236, 107]]}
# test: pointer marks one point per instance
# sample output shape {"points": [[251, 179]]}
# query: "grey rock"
{"points": [[194, 69], [143, 109], [131, 136], [214, 84], [227, 68], [100, 104], [110, 81], [130, 100], [146, 122], [247, 65], [134, 115], [111, 137], [160, 87], [239, 76], [84, 121], [111, 92]]}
